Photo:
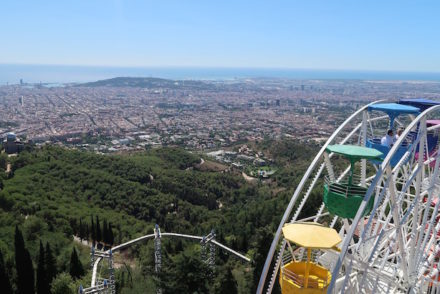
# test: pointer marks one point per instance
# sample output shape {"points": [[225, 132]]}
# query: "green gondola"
{"points": [[344, 198]]}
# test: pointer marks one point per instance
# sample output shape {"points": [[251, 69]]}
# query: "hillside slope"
{"points": [[151, 83], [53, 193]]}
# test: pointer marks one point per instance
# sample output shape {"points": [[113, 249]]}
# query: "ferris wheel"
{"points": [[377, 228]]}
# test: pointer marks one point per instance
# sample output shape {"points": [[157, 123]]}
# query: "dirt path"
{"points": [[83, 242], [248, 178], [121, 259]]}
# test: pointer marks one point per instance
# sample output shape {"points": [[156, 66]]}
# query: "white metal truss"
{"points": [[157, 253], [157, 249], [208, 240]]}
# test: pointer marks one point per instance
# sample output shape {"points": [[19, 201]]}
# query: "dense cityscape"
{"points": [[131, 113]]}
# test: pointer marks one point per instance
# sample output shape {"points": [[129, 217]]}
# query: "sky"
{"points": [[308, 34]]}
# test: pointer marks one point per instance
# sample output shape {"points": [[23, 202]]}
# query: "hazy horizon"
{"points": [[35, 73]]}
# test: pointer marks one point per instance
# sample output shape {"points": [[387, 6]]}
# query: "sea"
{"points": [[61, 74]]}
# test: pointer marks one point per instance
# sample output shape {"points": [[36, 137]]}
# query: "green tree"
{"points": [[42, 284], [110, 234], [225, 282], [81, 230], [117, 187], [98, 230], [4, 278], [63, 284], [105, 232], [87, 232], [3, 161], [93, 230], [187, 274], [179, 246], [76, 269], [24, 266], [51, 265], [263, 242]]}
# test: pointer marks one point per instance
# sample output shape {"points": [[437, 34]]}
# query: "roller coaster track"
{"points": [[94, 287]]}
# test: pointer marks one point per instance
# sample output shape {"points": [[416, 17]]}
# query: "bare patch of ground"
{"points": [[207, 165], [248, 178]]}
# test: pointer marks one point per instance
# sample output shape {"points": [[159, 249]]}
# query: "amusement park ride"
{"points": [[377, 228], [103, 280]]}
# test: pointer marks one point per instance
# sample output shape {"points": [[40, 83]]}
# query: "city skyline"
{"points": [[391, 36]]}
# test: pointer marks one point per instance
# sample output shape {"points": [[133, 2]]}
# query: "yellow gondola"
{"points": [[298, 276]]}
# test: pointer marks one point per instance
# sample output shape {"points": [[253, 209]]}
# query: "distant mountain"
{"points": [[148, 83]]}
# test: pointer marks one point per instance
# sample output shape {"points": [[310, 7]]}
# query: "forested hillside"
{"points": [[52, 194]]}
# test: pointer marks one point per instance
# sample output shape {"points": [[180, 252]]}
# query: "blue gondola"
{"points": [[424, 104], [420, 103], [393, 110]]}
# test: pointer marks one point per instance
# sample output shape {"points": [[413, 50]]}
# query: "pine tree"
{"points": [[19, 246], [76, 268], [87, 232], [243, 243], [81, 230], [119, 234], [42, 284], [111, 237], [263, 242], [179, 246], [4, 278], [50, 262], [105, 232], [93, 231], [98, 230], [24, 266], [225, 282], [29, 273], [74, 226]]}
